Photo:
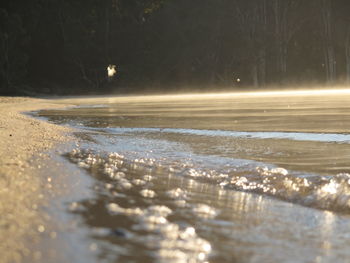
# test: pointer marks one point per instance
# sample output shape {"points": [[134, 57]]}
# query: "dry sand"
{"points": [[21, 191]]}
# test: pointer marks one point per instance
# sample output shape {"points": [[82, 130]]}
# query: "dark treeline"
{"points": [[64, 46]]}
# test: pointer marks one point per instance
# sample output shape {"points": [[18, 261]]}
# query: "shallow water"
{"points": [[218, 178]]}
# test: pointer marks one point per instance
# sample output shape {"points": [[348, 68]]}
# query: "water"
{"points": [[260, 177]]}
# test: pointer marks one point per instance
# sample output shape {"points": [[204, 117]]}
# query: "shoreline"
{"points": [[22, 191]]}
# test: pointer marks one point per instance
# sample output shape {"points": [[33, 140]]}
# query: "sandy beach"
{"points": [[23, 138]]}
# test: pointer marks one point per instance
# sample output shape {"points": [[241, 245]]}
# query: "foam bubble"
{"points": [[115, 209], [279, 170], [138, 182], [147, 178], [176, 193], [203, 210], [124, 184], [148, 193], [159, 210]]}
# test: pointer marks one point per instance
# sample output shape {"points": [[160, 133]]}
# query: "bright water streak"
{"points": [[297, 136], [142, 149]]}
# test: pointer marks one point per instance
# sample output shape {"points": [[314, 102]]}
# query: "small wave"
{"points": [[322, 192]]}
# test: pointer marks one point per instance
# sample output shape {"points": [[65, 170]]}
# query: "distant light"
{"points": [[238, 80], [111, 70]]}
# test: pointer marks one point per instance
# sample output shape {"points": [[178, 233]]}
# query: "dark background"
{"points": [[64, 46]]}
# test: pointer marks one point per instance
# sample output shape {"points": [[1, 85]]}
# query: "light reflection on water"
{"points": [[210, 147], [297, 136], [247, 227]]}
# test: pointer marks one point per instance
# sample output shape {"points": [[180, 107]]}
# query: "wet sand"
{"points": [[22, 194]]}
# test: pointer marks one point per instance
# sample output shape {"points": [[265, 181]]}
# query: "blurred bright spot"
{"points": [[111, 70]]}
